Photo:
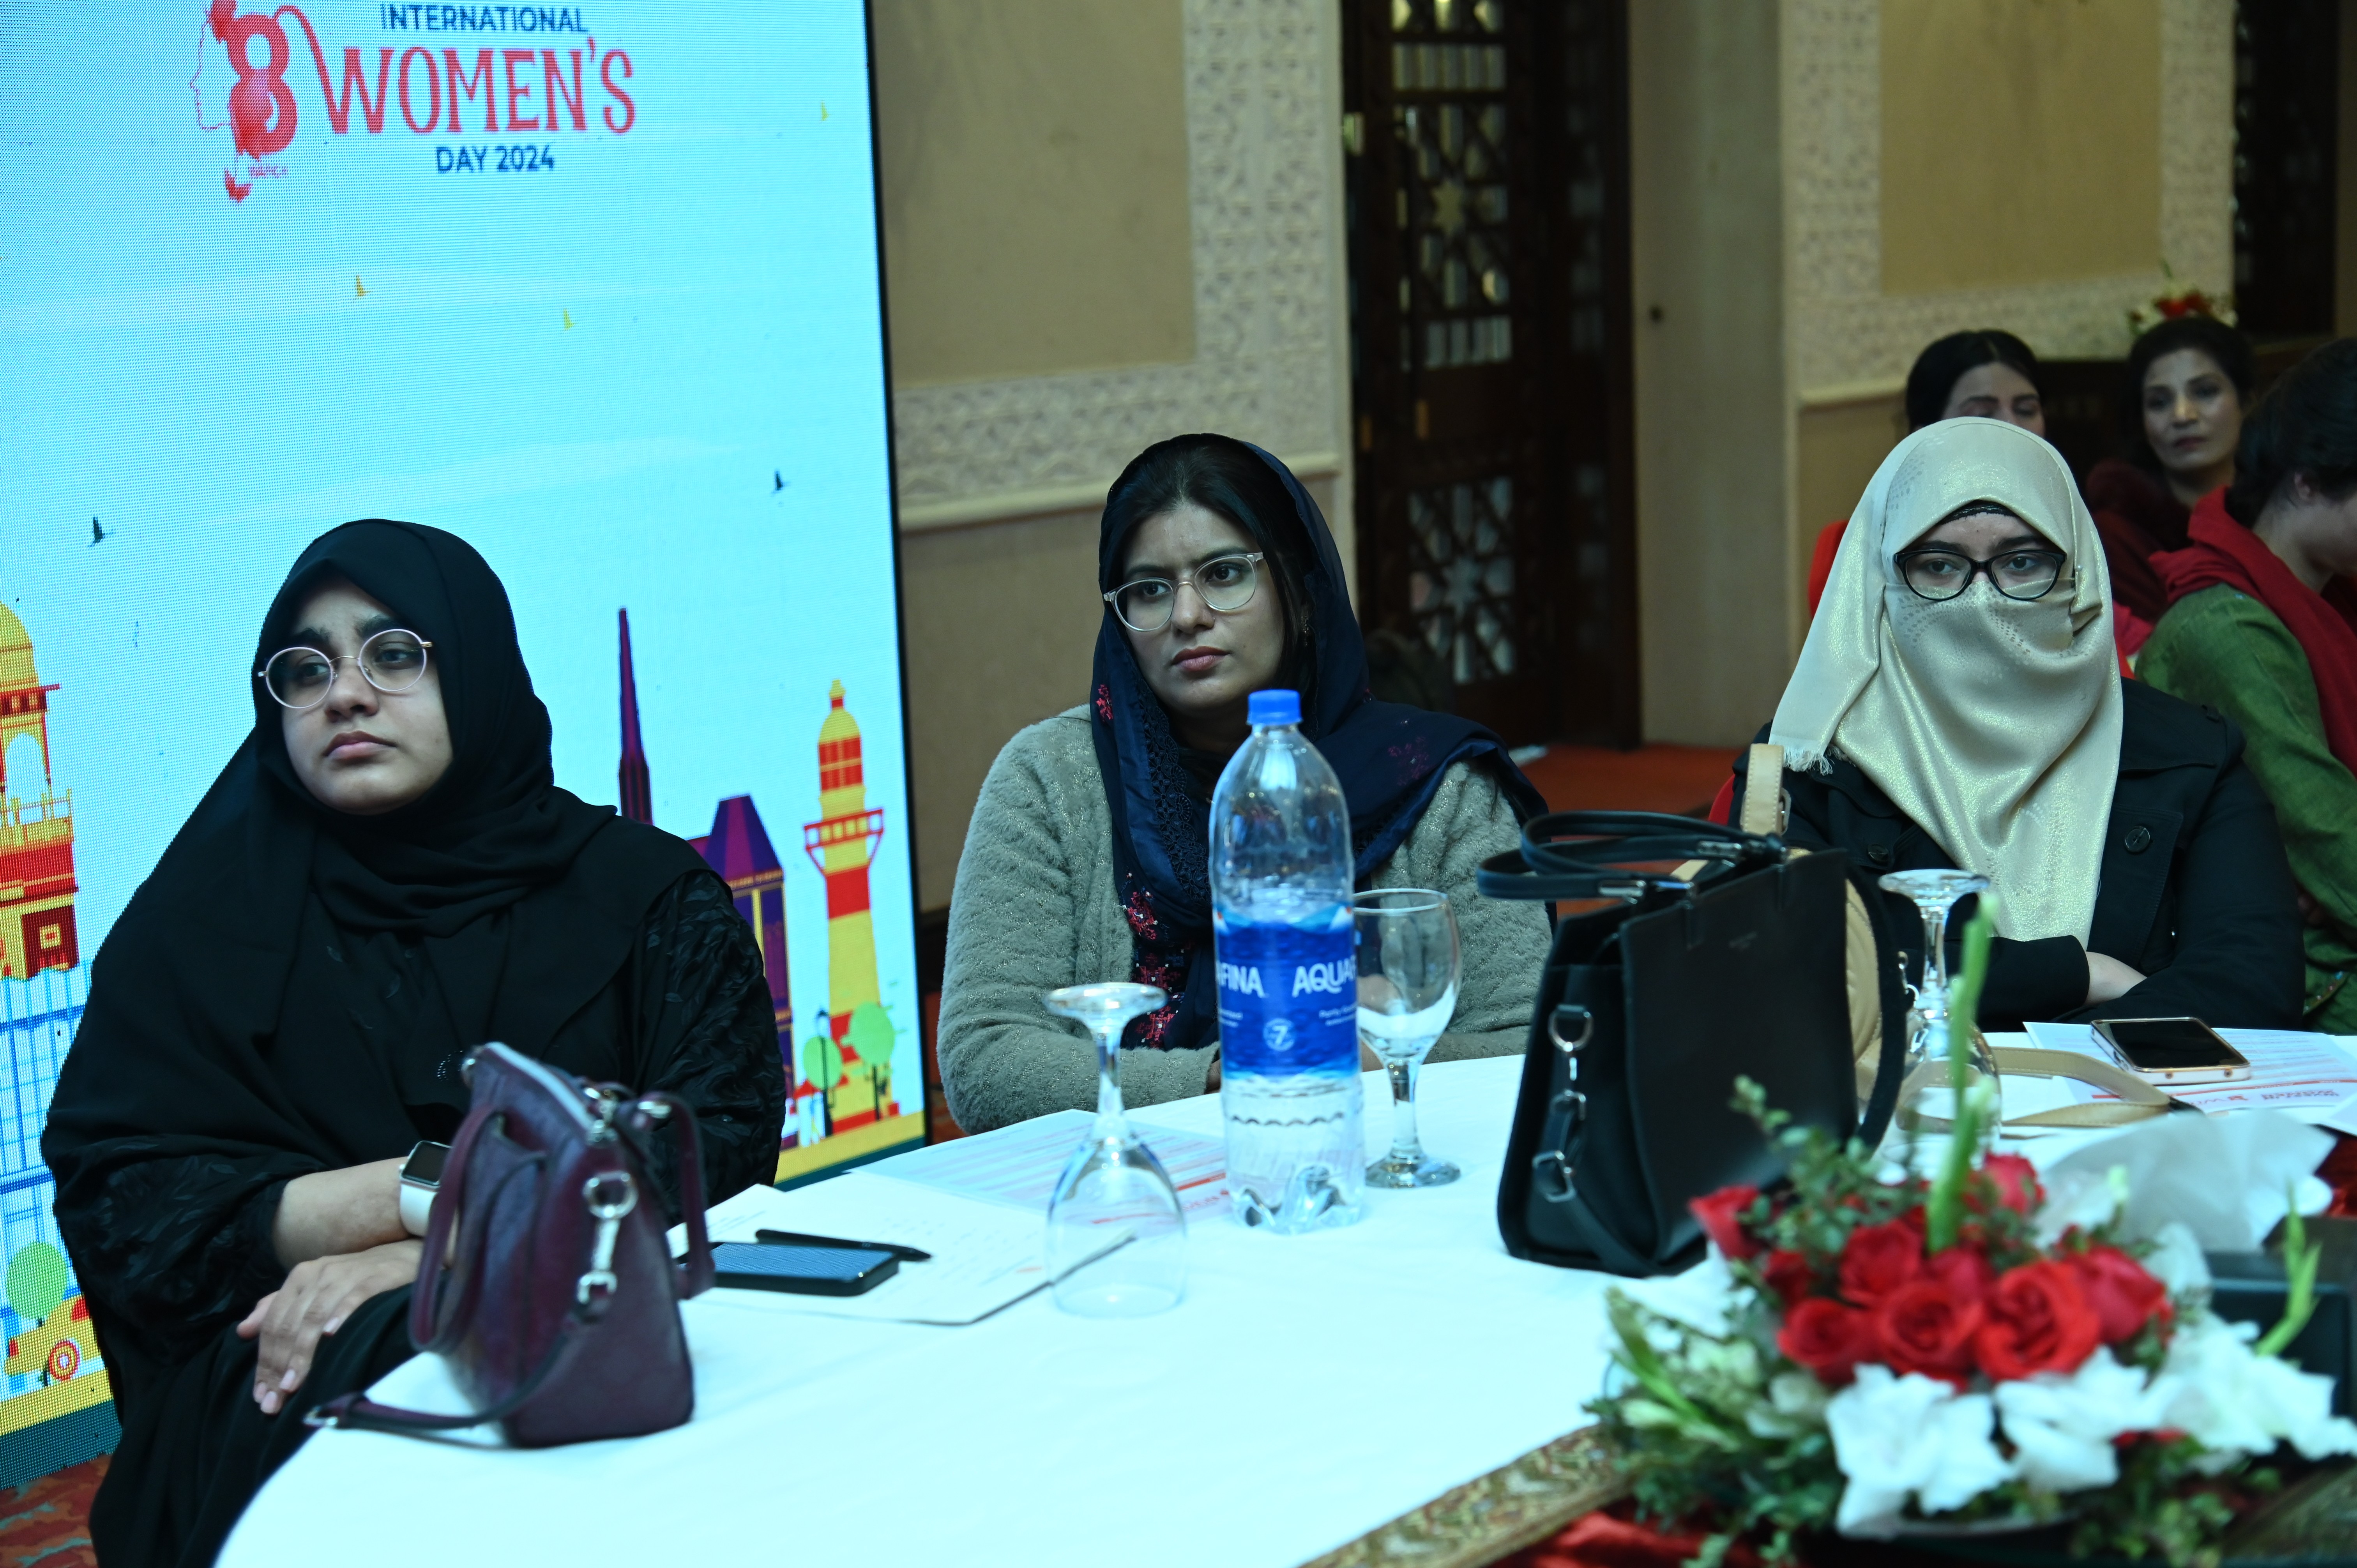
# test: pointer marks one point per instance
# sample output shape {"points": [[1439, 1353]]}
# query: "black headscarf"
{"points": [[222, 1011], [1390, 757]]}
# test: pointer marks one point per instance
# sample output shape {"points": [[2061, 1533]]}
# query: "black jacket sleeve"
{"points": [[708, 1032], [2226, 945]]}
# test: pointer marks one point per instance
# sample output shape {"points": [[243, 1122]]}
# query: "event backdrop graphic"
{"points": [[594, 286]]}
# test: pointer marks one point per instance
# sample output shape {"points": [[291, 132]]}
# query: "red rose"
{"points": [[2038, 1321], [1787, 1274], [1721, 1217], [1925, 1326], [1828, 1338], [1965, 1271], [1878, 1259], [2122, 1294], [2017, 1181]]}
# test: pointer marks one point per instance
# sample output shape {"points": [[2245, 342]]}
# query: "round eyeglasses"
{"points": [[1939, 573], [1227, 585], [393, 661]]}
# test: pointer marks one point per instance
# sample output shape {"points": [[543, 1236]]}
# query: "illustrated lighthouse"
{"points": [[36, 875], [843, 842]]}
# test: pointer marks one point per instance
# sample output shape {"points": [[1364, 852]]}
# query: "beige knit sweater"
{"points": [[1034, 910]]}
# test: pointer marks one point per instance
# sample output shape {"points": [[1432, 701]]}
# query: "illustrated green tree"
{"points": [[822, 1065], [36, 1283], [872, 1036]]}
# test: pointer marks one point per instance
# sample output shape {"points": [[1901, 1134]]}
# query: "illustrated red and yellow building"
{"points": [[851, 1066], [843, 842], [36, 875]]}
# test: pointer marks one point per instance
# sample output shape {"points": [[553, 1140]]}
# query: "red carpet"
{"points": [[1678, 778], [47, 1521]]}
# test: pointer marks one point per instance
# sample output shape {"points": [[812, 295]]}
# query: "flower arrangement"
{"points": [[2173, 301], [1963, 1352]]}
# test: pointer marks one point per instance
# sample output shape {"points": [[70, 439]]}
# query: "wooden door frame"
{"points": [[1584, 551]]}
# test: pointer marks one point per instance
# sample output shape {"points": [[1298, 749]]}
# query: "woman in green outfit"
{"points": [[2262, 626]]}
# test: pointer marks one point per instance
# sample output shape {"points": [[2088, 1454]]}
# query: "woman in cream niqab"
{"points": [[2137, 869], [1994, 722]]}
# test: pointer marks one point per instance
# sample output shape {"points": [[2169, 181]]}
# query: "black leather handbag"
{"points": [[1701, 953]]}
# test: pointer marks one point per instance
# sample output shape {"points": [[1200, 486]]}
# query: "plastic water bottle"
{"points": [[1281, 926]]}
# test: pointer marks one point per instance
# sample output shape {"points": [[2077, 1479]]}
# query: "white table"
{"points": [[1308, 1390]]}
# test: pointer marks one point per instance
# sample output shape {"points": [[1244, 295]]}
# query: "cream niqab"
{"points": [[1994, 724]]}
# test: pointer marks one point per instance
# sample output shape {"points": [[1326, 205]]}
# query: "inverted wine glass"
{"points": [[1117, 1234], [1408, 960], [1925, 1094]]}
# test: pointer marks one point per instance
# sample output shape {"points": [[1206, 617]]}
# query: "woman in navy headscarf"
{"points": [[1087, 857]]}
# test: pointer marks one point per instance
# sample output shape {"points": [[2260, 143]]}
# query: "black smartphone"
{"points": [[804, 1271], [2174, 1051]]}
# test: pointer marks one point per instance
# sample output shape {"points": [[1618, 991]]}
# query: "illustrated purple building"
{"points": [[738, 849], [638, 793]]}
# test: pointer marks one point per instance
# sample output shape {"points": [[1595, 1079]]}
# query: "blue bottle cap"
{"points": [[1274, 706]]}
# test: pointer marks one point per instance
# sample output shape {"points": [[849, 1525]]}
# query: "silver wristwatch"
{"points": [[421, 1178]]}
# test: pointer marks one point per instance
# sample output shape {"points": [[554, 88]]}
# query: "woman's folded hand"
{"points": [[2108, 979], [315, 1300]]}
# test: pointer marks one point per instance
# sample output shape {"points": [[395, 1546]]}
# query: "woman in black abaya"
{"points": [[384, 876]]}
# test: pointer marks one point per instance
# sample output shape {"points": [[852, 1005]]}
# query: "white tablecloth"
{"points": [[1308, 1390]]}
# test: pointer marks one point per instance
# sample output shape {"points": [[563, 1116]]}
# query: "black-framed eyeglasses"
{"points": [[1226, 583], [393, 661], [1939, 573]]}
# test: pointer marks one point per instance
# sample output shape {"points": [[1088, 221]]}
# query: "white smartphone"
{"points": [[2169, 1051]]}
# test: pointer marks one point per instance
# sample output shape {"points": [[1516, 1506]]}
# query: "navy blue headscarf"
{"points": [[1390, 757]]}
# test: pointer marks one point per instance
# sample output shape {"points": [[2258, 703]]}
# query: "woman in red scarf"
{"points": [[2262, 626], [2189, 380]]}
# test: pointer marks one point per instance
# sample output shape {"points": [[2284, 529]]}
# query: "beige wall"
{"points": [[2020, 142], [1711, 459], [1000, 623], [1107, 222], [1837, 446], [1038, 148]]}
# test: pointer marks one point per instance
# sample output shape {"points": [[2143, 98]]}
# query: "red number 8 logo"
{"points": [[261, 107]]}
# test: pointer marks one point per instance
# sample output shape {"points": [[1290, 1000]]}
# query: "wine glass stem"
{"points": [[1935, 945], [1109, 1106], [1404, 1146]]}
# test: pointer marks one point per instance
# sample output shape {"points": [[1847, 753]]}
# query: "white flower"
{"points": [[2234, 1401], [2062, 1428], [1737, 1360], [1796, 1402], [2175, 1261], [1898, 1436], [2083, 1198], [1699, 1298]]}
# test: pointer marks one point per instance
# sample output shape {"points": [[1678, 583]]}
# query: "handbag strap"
{"points": [[1766, 807], [426, 1322], [1570, 855], [661, 1108], [358, 1412], [2138, 1101]]}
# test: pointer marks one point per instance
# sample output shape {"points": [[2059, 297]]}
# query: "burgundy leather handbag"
{"points": [[549, 1286]]}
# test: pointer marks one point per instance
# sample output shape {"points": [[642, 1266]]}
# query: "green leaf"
{"points": [[37, 1281], [2300, 1259], [1944, 1209]]}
